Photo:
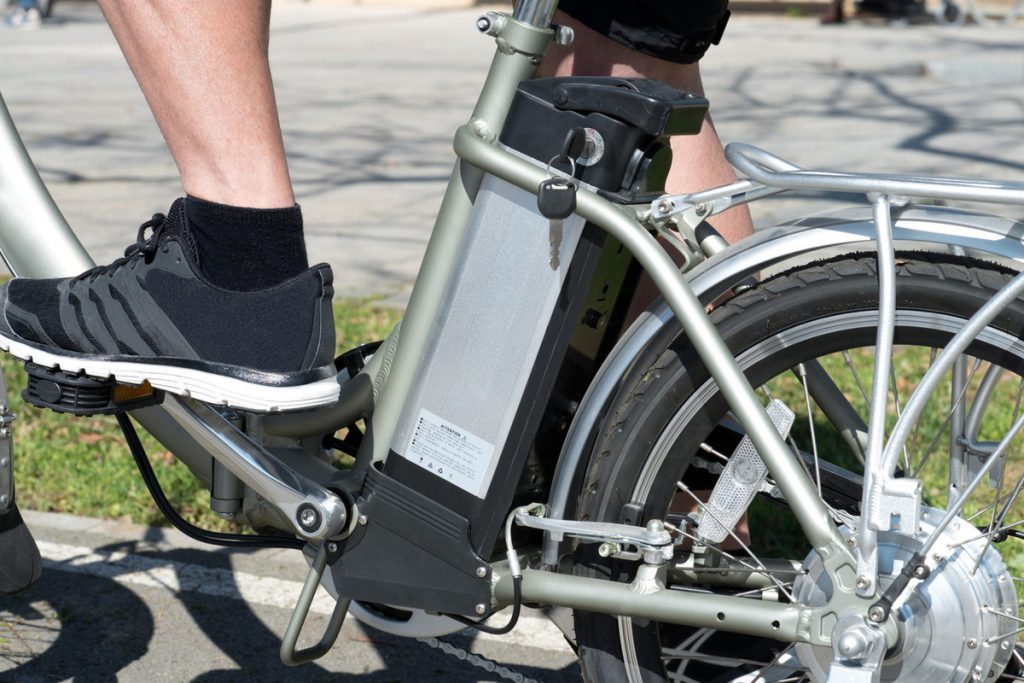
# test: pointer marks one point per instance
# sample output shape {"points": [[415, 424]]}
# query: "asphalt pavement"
{"points": [[139, 604], [369, 99]]}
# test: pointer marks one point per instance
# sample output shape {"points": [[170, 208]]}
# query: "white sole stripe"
{"points": [[202, 386]]}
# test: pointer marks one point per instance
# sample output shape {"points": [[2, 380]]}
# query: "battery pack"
{"points": [[475, 368]]}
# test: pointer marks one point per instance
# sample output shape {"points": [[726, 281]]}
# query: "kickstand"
{"points": [[289, 654]]}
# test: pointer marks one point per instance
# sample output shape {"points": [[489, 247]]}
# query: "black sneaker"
{"points": [[151, 316]]}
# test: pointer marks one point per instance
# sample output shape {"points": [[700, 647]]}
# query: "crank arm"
{"points": [[315, 513]]}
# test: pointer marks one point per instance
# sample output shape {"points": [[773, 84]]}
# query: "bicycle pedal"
{"points": [[77, 394]]}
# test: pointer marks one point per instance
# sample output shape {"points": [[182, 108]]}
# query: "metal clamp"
{"points": [[654, 541]]}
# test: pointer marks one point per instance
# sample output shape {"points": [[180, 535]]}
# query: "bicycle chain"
{"points": [[477, 661]]}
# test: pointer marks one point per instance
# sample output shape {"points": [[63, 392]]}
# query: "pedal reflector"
{"points": [[740, 481]]}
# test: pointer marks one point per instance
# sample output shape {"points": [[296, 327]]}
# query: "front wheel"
{"points": [[669, 433]]}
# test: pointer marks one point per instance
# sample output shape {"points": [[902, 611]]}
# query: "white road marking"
{"points": [[533, 631]]}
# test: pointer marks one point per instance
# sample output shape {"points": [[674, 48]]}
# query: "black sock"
{"points": [[246, 249]]}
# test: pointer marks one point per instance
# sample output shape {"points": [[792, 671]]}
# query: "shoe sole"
{"points": [[188, 382]]}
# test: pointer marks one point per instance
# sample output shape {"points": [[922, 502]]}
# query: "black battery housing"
{"points": [[625, 120]]}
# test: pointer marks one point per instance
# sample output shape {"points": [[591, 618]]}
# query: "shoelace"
{"points": [[144, 247]]}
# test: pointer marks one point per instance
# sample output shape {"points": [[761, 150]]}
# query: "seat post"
{"points": [[535, 12]]}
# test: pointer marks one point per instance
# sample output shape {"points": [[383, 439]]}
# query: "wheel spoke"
{"points": [[758, 677], [853, 370], [988, 534], [899, 411], [945, 423], [802, 372], [763, 568], [708, 449], [997, 520]]}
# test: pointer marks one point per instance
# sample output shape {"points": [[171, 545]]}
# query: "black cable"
{"points": [[517, 599], [190, 530]]}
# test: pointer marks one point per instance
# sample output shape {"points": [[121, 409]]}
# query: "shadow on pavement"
{"points": [[82, 627]]}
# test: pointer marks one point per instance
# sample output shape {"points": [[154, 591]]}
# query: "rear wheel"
{"points": [[670, 431]]}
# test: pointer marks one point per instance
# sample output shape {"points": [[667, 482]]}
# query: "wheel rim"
{"points": [[778, 661]]}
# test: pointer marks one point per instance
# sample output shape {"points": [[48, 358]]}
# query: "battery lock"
{"points": [[623, 125]]}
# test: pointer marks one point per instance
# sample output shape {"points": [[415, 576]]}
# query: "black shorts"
{"points": [[674, 30]]}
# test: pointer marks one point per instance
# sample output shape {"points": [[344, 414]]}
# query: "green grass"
{"points": [[82, 466]]}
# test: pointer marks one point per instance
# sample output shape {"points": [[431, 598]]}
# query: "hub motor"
{"points": [[959, 624]]}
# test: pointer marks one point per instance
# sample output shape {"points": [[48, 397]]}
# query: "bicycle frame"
{"points": [[35, 241]]}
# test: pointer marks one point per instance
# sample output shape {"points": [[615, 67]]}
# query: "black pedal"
{"points": [[64, 392]]}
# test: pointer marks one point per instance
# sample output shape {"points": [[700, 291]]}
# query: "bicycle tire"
{"points": [[651, 434]]}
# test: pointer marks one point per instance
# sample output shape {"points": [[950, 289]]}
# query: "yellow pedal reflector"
{"points": [[124, 393]]}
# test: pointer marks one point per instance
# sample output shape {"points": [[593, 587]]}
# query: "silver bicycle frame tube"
{"points": [[28, 216], [535, 12]]}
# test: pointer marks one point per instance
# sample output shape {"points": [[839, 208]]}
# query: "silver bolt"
{"points": [[876, 614], [656, 525], [851, 541], [483, 24], [362, 520], [852, 645], [307, 517], [481, 572], [564, 35], [3, 500], [703, 209], [863, 582], [332, 547], [666, 206], [608, 549], [481, 608], [4, 462], [972, 643]]}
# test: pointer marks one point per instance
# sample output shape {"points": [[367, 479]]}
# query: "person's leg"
{"points": [[204, 69], [216, 299], [698, 160]]}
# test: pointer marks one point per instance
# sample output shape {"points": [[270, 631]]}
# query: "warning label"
{"points": [[450, 452]]}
